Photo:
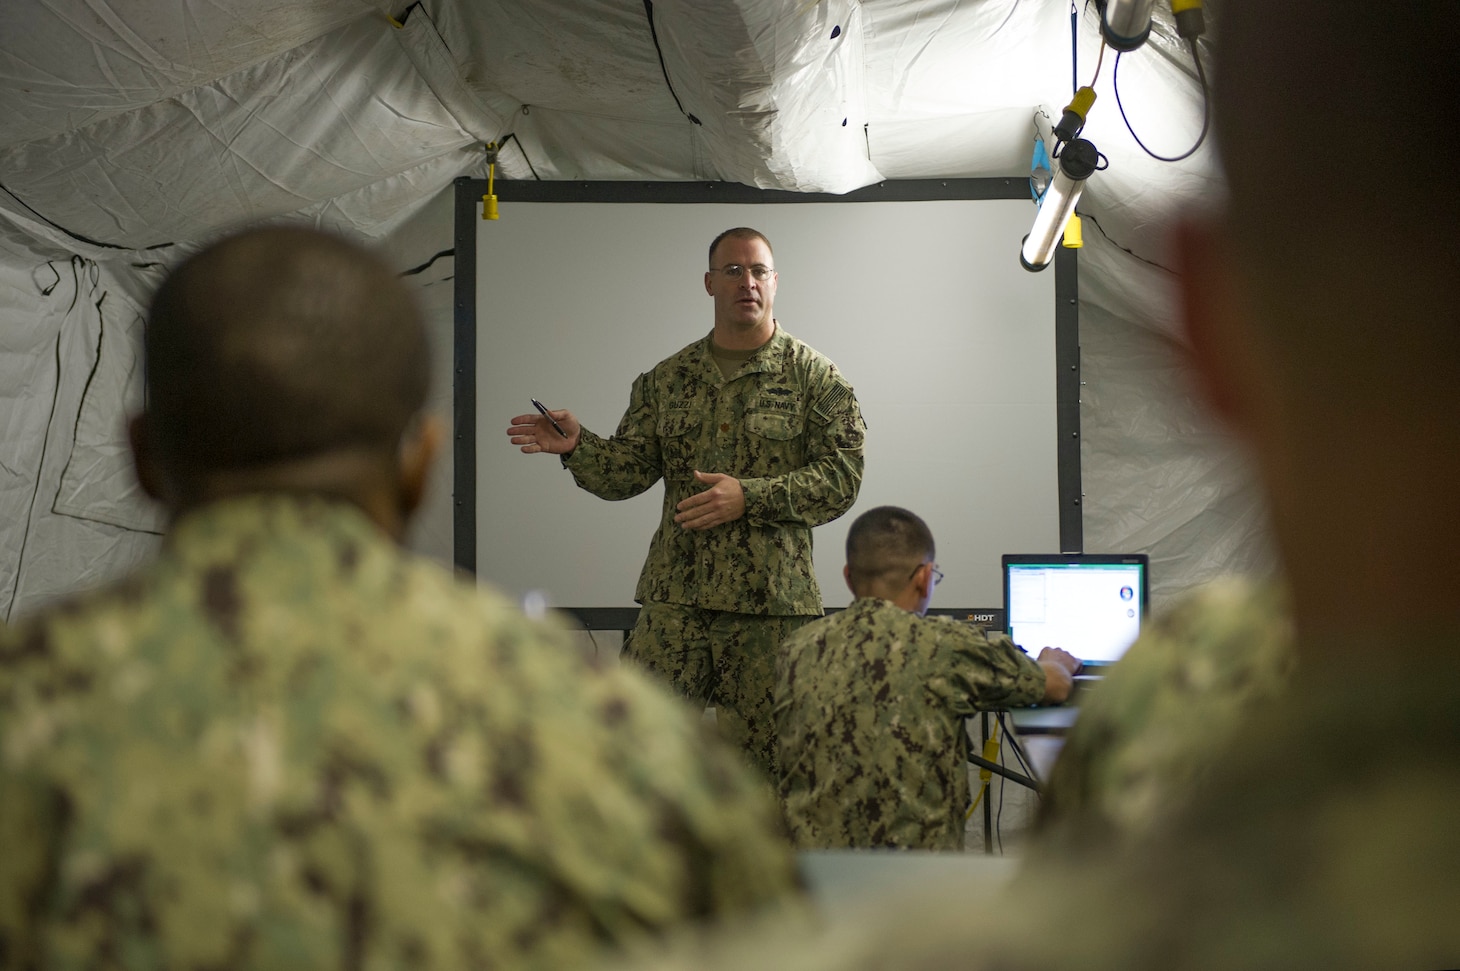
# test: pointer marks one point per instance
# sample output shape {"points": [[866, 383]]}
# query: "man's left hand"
{"points": [[722, 502]]}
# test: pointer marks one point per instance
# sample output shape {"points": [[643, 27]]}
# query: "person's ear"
{"points": [[418, 451], [1218, 348], [922, 580], [847, 576], [145, 459], [708, 289]]}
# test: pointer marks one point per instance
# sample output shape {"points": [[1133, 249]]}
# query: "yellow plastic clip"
{"points": [[489, 201], [1082, 102], [1074, 234]]}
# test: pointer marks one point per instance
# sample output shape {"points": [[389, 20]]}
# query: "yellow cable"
{"points": [[990, 754]]}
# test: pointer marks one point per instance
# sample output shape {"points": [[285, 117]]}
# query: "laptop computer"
{"points": [[1090, 604]]}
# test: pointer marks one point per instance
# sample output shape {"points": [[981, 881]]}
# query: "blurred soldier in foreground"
{"points": [[1156, 722], [288, 744], [1322, 327], [870, 702]]}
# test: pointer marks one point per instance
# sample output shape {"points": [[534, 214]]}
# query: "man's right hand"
{"points": [[1059, 669], [536, 434], [1061, 657]]}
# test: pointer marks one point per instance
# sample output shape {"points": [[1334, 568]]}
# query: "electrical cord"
{"points": [[1018, 751], [1206, 109], [654, 36], [999, 814], [512, 136], [990, 751]]}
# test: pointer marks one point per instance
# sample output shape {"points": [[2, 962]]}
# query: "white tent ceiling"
{"points": [[128, 125]]}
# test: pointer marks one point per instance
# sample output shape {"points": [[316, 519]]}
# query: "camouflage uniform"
{"points": [[1323, 836], [787, 425], [869, 715], [288, 744], [1150, 729]]}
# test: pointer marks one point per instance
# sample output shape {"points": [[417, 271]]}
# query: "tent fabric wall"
{"points": [[133, 125], [44, 552]]}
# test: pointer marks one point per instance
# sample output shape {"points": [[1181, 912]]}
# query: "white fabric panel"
{"points": [[99, 482], [983, 144], [34, 298], [66, 64], [337, 114], [591, 56], [374, 210], [948, 58], [46, 555], [1159, 475], [771, 87], [572, 145]]}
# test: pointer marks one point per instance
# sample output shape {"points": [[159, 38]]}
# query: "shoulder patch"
{"points": [[832, 402]]}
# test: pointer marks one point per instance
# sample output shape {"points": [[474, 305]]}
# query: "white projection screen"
{"points": [[920, 300]]}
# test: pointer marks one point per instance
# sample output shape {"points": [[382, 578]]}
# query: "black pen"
{"points": [[539, 406]]}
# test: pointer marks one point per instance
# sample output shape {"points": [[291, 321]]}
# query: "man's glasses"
{"points": [[734, 271], [937, 573]]}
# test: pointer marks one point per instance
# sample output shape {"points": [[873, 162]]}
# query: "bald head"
{"points": [[1338, 138], [278, 345]]}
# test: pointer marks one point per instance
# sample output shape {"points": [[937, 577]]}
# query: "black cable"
{"points": [[1124, 249], [654, 36], [999, 815], [427, 265], [1074, 48], [1018, 750], [76, 236], [512, 136], [1206, 109]]}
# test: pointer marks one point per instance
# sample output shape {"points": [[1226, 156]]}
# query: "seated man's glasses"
{"points": [[937, 573]]}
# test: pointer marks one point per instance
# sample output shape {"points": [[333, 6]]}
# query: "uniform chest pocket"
{"points": [[778, 426], [678, 433]]}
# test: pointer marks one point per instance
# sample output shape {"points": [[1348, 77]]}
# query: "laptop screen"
{"points": [[1090, 604]]}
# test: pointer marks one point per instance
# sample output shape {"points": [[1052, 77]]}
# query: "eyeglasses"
{"points": [[734, 271], [937, 573]]}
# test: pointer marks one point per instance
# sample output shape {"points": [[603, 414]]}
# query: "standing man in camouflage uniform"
{"points": [[758, 438], [286, 743], [870, 702]]}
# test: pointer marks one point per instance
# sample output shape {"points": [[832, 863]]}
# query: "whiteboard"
{"points": [[948, 342]]}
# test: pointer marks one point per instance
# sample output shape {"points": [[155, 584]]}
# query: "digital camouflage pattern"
{"points": [[1322, 836], [869, 713], [288, 744], [1151, 728], [716, 657], [787, 425]]}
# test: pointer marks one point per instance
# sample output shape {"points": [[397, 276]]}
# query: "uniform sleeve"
{"points": [[28, 824], [628, 463], [987, 671], [826, 485]]}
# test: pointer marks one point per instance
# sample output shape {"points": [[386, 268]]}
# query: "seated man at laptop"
{"points": [[870, 702]]}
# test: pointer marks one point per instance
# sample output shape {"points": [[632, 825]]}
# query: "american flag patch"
{"points": [[832, 402]]}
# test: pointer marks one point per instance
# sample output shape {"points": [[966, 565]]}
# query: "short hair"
{"points": [[739, 232], [887, 540], [281, 343]]}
